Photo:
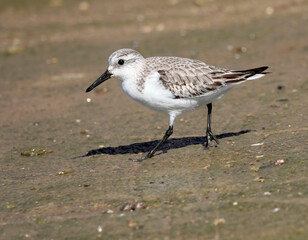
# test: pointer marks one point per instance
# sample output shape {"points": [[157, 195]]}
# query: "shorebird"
{"points": [[173, 85]]}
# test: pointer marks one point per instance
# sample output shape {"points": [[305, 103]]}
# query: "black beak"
{"points": [[105, 76]]}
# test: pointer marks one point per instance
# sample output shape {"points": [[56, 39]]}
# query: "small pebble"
{"points": [[10, 205], [99, 229], [64, 172], [279, 162], [131, 224], [141, 205], [219, 221], [259, 179], [266, 135], [207, 168], [132, 206], [256, 144], [84, 132], [255, 168]]}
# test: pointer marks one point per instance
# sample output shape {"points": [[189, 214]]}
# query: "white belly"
{"points": [[155, 96]]}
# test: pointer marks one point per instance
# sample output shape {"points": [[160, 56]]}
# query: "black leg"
{"points": [[151, 153], [209, 135]]}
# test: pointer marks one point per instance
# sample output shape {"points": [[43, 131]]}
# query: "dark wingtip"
{"points": [[263, 68], [255, 70]]}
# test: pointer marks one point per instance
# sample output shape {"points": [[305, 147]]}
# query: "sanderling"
{"points": [[173, 85]]}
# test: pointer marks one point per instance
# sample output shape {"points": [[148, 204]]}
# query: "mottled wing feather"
{"points": [[187, 78]]}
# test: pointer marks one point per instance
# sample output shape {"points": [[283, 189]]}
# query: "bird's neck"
{"points": [[133, 84]]}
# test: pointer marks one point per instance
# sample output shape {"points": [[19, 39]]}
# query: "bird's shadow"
{"points": [[144, 147]]}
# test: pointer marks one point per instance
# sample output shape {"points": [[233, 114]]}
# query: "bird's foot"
{"points": [[141, 159], [209, 137]]}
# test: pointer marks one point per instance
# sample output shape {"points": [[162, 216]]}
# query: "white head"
{"points": [[122, 63]]}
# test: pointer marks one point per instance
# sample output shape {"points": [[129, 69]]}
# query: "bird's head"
{"points": [[123, 63]]}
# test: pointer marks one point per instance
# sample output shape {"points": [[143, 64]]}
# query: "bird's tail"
{"points": [[240, 76], [254, 73]]}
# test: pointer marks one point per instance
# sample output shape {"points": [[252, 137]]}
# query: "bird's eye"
{"points": [[121, 62]]}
